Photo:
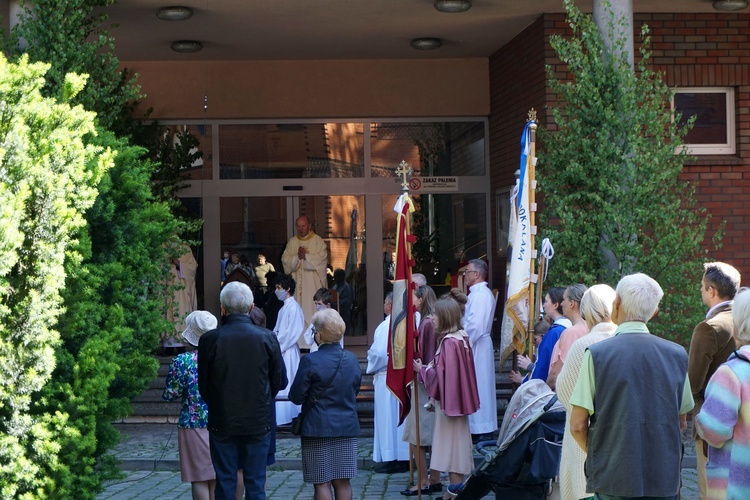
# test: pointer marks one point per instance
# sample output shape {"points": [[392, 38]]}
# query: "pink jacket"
{"points": [[451, 378]]}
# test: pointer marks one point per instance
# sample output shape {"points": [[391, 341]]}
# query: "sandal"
{"points": [[455, 489]]}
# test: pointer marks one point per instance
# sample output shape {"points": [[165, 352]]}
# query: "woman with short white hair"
{"points": [[326, 385], [724, 419], [596, 311]]}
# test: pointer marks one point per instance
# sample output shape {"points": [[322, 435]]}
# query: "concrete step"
{"points": [[149, 407]]}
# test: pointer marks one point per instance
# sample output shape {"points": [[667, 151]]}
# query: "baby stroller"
{"points": [[526, 457]]}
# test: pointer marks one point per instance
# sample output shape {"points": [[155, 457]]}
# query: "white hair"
{"points": [[236, 297], [639, 297], [419, 279], [329, 325], [596, 305], [741, 314]]}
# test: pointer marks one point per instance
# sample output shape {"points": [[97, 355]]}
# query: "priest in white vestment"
{"points": [[289, 327], [387, 444], [478, 324], [305, 259]]}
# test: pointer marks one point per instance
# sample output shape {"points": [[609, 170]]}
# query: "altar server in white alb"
{"points": [[387, 444], [305, 258], [478, 324], [289, 327]]}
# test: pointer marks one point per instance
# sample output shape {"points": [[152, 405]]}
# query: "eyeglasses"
{"points": [[470, 271]]}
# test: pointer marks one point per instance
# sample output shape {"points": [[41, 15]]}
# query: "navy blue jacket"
{"points": [[335, 414], [240, 371]]}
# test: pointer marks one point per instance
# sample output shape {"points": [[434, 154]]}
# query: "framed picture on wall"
{"points": [[502, 207]]}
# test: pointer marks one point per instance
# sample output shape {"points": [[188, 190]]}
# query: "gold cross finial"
{"points": [[403, 170]]}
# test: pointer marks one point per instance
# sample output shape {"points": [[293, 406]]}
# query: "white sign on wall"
{"points": [[444, 184]]}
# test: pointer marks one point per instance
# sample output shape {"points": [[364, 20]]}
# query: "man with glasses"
{"points": [[478, 325], [712, 342]]}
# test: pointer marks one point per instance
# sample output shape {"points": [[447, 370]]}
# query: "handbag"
{"points": [[297, 421]]}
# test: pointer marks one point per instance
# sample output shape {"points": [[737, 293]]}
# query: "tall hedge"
{"points": [[115, 300], [48, 176], [610, 176], [115, 287]]}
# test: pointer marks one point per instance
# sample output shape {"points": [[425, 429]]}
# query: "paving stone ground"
{"points": [[150, 463]]}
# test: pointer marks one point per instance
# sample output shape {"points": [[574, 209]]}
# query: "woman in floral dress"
{"points": [[192, 434]]}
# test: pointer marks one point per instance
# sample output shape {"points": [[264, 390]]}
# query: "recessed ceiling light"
{"points": [[187, 46], [730, 5], [175, 13], [426, 43], [452, 6]]}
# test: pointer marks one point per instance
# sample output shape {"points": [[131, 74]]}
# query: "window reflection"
{"points": [[432, 149], [292, 151]]}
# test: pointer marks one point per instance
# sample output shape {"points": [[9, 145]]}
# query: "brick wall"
{"points": [[690, 50], [517, 84], [713, 50]]}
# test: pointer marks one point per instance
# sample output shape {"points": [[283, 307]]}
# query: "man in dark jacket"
{"points": [[240, 371]]}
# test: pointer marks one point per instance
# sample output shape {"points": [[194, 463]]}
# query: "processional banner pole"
{"points": [[533, 278], [403, 336]]}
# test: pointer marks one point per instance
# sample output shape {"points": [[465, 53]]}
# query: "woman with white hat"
{"points": [[192, 434]]}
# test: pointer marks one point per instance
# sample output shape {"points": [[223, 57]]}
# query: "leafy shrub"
{"points": [[48, 177], [614, 201]]}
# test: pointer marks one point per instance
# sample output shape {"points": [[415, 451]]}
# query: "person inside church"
{"points": [[304, 259]]}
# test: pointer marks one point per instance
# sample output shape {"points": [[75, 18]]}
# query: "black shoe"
{"points": [[412, 493], [392, 467], [436, 487]]}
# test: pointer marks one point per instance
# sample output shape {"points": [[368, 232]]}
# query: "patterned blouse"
{"points": [[182, 383]]}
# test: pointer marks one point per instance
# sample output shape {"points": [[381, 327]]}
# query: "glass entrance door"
{"points": [[257, 229], [258, 177]]}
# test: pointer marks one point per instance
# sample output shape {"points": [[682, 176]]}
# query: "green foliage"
{"points": [[174, 150], [115, 300], [73, 38], [614, 202], [49, 170], [116, 289]]}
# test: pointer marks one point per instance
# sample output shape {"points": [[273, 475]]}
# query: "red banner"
{"points": [[402, 334]]}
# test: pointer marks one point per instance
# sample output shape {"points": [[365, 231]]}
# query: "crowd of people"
{"points": [[627, 393]]}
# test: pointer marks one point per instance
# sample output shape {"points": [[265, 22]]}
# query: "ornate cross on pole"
{"points": [[404, 170]]}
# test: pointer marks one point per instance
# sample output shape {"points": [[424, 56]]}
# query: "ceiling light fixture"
{"points": [[187, 46], [452, 6], [426, 43], [730, 5], [175, 13]]}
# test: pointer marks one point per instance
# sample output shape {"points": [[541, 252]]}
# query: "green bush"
{"points": [[614, 203], [115, 300], [115, 287], [49, 170], [71, 36]]}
